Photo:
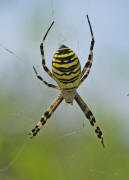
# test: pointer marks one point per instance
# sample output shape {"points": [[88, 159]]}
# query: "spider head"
{"points": [[69, 95]]}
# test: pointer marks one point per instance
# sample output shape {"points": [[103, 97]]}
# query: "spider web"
{"points": [[25, 144], [17, 155], [76, 153]]}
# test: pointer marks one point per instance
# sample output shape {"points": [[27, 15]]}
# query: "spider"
{"points": [[66, 71]]}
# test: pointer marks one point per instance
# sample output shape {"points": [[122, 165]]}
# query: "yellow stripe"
{"points": [[57, 60], [42, 57], [64, 55], [90, 60], [91, 52], [59, 72], [95, 126], [39, 124], [63, 48], [50, 109], [67, 77], [65, 65], [44, 117]]}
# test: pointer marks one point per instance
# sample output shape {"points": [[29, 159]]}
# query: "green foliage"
{"points": [[56, 154]]}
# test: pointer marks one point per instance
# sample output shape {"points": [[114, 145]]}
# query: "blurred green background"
{"points": [[67, 147]]}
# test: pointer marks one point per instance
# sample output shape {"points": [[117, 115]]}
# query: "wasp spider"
{"points": [[66, 71]]}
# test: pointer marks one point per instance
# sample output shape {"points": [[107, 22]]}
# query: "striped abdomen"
{"points": [[66, 68]]}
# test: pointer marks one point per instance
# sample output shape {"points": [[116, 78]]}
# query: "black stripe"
{"points": [[67, 69], [35, 130], [88, 64], [99, 135], [67, 74], [43, 62], [88, 114], [98, 130], [42, 121], [68, 80], [45, 68], [34, 134], [90, 57], [41, 49], [39, 77], [92, 121], [41, 46], [65, 62], [92, 44], [57, 104], [63, 51], [64, 58], [50, 85], [47, 114]]}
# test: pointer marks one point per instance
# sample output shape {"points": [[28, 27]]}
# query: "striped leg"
{"points": [[42, 53], [46, 115], [40, 78], [84, 77], [89, 116], [90, 57]]}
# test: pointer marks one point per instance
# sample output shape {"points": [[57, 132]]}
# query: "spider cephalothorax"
{"points": [[69, 95], [66, 71]]}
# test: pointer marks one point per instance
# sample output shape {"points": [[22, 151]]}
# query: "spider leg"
{"points": [[40, 78], [90, 57], [90, 117], [84, 77], [42, 53], [46, 115]]}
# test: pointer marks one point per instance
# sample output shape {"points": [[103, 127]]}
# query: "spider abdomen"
{"points": [[66, 68]]}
